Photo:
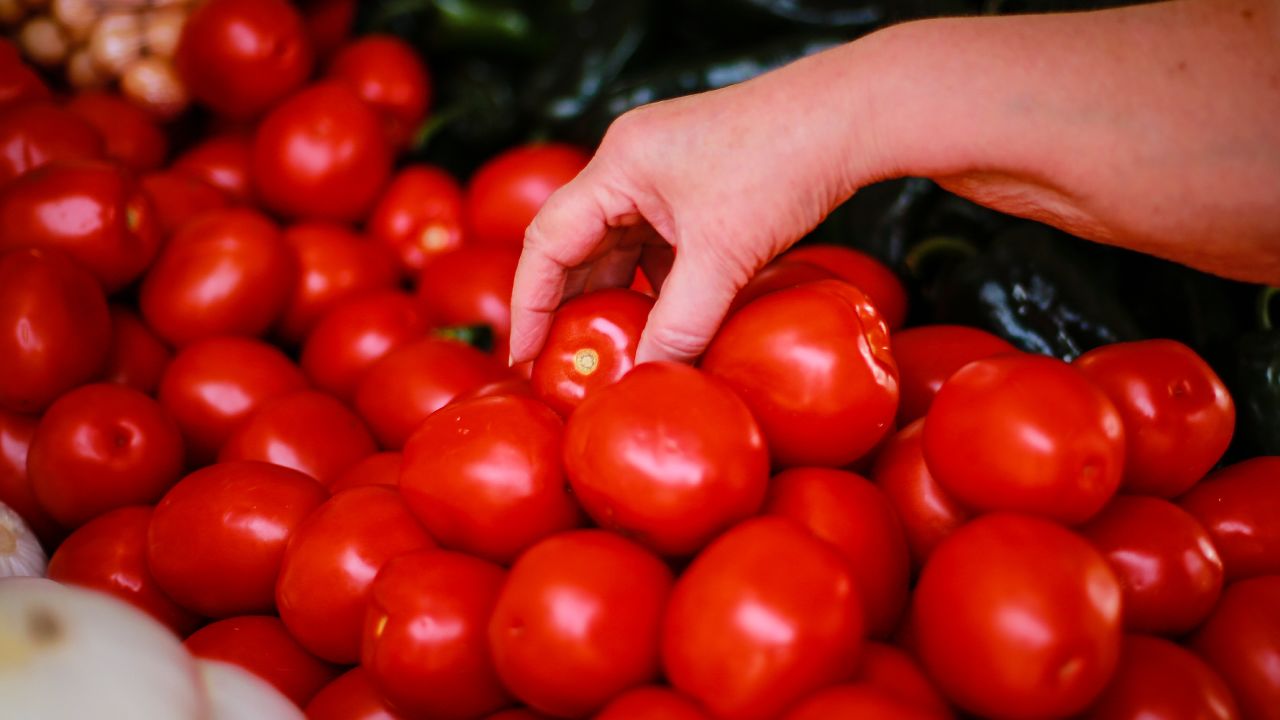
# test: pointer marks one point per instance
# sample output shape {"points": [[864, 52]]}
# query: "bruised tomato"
{"points": [[389, 75], [38, 132], [419, 215], [508, 190]]}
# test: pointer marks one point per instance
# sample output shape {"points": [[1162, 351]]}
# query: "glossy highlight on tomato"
{"points": [[37, 132], [1239, 505], [419, 216]]}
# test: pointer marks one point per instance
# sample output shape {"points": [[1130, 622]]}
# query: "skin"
{"points": [[1173, 104]]}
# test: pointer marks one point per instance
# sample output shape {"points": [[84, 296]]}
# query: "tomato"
{"points": [[777, 275], [1169, 571], [329, 23], [321, 155], [892, 670], [102, 447], [1241, 641], [419, 215], [518, 714], [95, 211], [178, 197], [471, 286], [18, 81], [54, 328], [109, 554], [415, 380], [517, 386], [652, 703], [137, 357], [350, 697], [356, 334], [1017, 617], [881, 286], [862, 701], [333, 263], [217, 538], [507, 191], [444, 674], [38, 132], [813, 364], [228, 272], [331, 562], [389, 75], [378, 469], [131, 134], [222, 161], [854, 516], [239, 57], [15, 485], [1239, 505], [212, 385], [262, 645], [1158, 680], [591, 344], [1025, 433], [930, 354]]}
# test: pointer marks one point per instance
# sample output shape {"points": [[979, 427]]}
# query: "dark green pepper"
{"points": [[1255, 382], [459, 26]]}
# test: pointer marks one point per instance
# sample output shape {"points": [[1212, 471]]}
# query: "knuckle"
{"points": [[678, 342]]}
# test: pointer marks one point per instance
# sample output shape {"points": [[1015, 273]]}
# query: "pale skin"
{"points": [[1155, 127]]}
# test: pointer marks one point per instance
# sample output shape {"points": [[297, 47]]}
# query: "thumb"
{"points": [[690, 306]]}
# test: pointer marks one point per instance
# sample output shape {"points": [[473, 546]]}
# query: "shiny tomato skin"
{"points": [[1239, 505], [239, 57], [652, 702], [893, 670], [1028, 434], [109, 554], [222, 161], [377, 469], [217, 539], [591, 345], [55, 331], [446, 675], [471, 286], [355, 335], [321, 155], [1060, 653], [507, 191], [813, 364], [419, 216], [137, 358], [329, 23], [333, 264], [864, 272], [1169, 571], [1241, 641], [389, 75], [930, 354], [228, 272], [1158, 680], [777, 275], [132, 135], [262, 645], [485, 476], [35, 133], [16, 431], [178, 197], [577, 621], [862, 701], [350, 697]]}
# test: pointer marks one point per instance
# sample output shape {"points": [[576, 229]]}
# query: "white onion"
{"points": [[235, 694], [20, 551]]}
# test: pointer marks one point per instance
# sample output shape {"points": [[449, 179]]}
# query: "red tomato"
{"points": [[485, 476], [38, 132], [813, 363], [378, 469], [1239, 505], [862, 701], [228, 272], [239, 57], [652, 703], [444, 674], [1158, 680], [95, 211], [508, 190], [109, 554], [389, 75], [333, 264], [517, 386], [101, 447], [928, 355], [518, 714], [1241, 641], [864, 272], [137, 357], [1169, 571], [329, 23], [355, 335], [777, 275], [222, 161], [131, 134], [178, 197], [591, 344], [415, 380], [15, 485], [18, 81], [321, 155], [331, 562], [350, 697], [262, 645], [577, 621], [471, 286], [1017, 617], [217, 538], [308, 431], [892, 670], [853, 515], [212, 385], [419, 215], [765, 615], [54, 328], [1025, 433]]}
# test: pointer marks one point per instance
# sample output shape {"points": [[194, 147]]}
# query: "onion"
{"points": [[12, 12], [153, 83], [235, 694], [78, 17], [20, 551], [164, 29], [43, 41], [116, 41], [83, 73]]}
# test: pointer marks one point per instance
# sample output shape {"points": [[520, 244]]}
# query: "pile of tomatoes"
{"points": [[235, 393]]}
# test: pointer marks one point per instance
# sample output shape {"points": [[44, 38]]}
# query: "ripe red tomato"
{"points": [[95, 211], [331, 562], [892, 670], [15, 485], [137, 357], [864, 272], [652, 703], [227, 272], [508, 190], [378, 469], [222, 161], [591, 344], [1025, 433], [486, 477], [109, 554], [863, 701], [321, 155], [442, 675], [389, 75], [217, 538], [577, 621], [517, 386], [333, 264], [1017, 617], [1241, 641], [177, 197], [813, 364], [419, 215], [101, 447], [54, 328], [18, 81], [239, 57], [518, 714], [262, 645], [762, 617], [38, 132], [777, 275], [1158, 680], [1239, 505], [351, 697], [329, 23], [471, 286], [355, 335], [930, 354], [132, 135]]}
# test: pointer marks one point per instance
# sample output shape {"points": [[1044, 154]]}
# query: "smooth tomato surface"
{"points": [[893, 670], [864, 272], [177, 197], [930, 354], [1158, 680], [329, 23], [1241, 641], [18, 81], [861, 700], [777, 275], [471, 286], [262, 645], [333, 264], [419, 215], [355, 335], [16, 431], [37, 132], [351, 697], [652, 703], [222, 161], [132, 135], [378, 469], [137, 357], [389, 75], [508, 190], [1239, 505]]}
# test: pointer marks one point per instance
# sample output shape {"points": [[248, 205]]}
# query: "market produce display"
{"points": [[262, 455]]}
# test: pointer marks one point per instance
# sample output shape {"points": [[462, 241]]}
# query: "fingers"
{"points": [[618, 267], [690, 306]]}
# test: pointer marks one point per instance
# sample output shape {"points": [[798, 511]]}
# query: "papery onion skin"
{"points": [[236, 694], [20, 552]]}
